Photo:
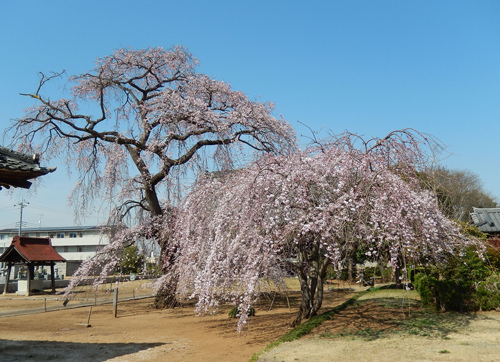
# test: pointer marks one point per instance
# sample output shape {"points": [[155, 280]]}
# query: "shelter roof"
{"points": [[487, 219], [16, 168], [24, 249]]}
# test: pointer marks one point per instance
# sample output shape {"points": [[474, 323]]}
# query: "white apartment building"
{"points": [[73, 243]]}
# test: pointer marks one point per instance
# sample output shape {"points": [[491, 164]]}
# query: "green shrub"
{"points": [[131, 260], [152, 270], [464, 283], [487, 295], [444, 295], [422, 286]]}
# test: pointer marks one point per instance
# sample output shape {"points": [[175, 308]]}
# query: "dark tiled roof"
{"points": [[24, 249], [16, 168], [51, 229], [487, 219]]}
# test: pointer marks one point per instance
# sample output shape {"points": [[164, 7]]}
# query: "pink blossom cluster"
{"points": [[142, 120], [239, 227]]}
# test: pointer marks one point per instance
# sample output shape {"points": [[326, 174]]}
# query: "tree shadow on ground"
{"points": [[375, 318], [23, 351], [274, 313]]}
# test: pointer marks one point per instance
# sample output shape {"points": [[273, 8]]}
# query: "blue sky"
{"points": [[364, 66]]}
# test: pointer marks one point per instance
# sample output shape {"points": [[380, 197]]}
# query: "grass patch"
{"points": [[398, 294], [428, 323], [367, 333], [401, 314]]}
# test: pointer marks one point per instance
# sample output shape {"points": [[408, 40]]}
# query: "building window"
{"points": [[72, 235], [3, 236], [60, 235], [66, 249]]}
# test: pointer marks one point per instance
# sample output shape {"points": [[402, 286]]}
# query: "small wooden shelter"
{"points": [[31, 252]]}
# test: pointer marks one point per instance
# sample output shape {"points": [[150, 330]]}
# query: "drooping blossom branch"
{"points": [[310, 208], [137, 126], [146, 116]]}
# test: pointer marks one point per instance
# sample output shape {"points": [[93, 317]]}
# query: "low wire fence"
{"points": [[12, 305]]}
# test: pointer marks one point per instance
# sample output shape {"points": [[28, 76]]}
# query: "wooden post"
{"points": [[29, 275], [88, 320], [288, 301], [7, 277], [115, 302], [53, 283]]}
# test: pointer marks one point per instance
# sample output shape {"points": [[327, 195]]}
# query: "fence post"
{"points": [[115, 302]]}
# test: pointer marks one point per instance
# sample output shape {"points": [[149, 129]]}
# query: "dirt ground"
{"points": [[140, 333], [384, 329]]}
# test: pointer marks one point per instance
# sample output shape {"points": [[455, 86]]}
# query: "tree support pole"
{"points": [[115, 302], [7, 277], [29, 275], [53, 281]]}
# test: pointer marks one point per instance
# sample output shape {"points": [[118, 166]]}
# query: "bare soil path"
{"points": [[141, 333], [387, 328]]}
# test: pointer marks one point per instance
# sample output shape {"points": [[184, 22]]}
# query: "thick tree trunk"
{"points": [[349, 269], [397, 275], [381, 269], [165, 297], [153, 202], [311, 274]]}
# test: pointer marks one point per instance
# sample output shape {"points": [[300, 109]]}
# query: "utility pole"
{"points": [[21, 205]]}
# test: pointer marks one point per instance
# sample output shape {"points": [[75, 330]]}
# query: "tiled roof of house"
{"points": [[16, 168], [24, 249], [487, 219], [50, 229]]}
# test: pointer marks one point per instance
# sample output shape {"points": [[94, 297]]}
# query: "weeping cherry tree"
{"points": [[134, 126], [307, 210]]}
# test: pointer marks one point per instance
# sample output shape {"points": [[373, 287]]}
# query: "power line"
{"points": [[11, 225], [7, 208], [48, 209]]}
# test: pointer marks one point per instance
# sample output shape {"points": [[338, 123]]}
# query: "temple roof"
{"points": [[30, 250], [16, 168], [486, 219]]}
